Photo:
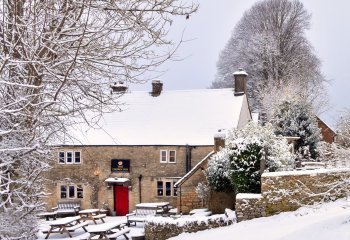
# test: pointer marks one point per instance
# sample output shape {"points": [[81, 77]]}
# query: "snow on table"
{"points": [[155, 205], [104, 227]]}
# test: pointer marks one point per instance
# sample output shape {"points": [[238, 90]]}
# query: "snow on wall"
{"points": [[162, 228], [287, 191]]}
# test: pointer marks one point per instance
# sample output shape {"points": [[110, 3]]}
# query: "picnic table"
{"points": [[109, 230], [66, 225], [92, 214], [47, 215], [162, 207]]}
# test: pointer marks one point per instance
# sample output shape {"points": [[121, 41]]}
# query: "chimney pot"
{"points": [[119, 87], [240, 82], [157, 87]]}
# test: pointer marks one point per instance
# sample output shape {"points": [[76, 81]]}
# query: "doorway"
{"points": [[121, 200]]}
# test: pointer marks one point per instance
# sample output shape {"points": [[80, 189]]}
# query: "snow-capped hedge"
{"points": [[161, 228]]}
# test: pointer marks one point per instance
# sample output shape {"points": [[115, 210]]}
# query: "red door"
{"points": [[121, 200]]}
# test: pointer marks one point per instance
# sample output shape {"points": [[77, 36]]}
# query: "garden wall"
{"points": [[287, 191], [160, 228]]}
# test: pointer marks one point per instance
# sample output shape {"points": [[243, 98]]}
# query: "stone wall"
{"points": [[188, 199], [249, 206], [161, 229], [95, 168], [287, 191]]}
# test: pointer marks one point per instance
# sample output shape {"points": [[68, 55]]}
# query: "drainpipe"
{"points": [[140, 195], [188, 158]]}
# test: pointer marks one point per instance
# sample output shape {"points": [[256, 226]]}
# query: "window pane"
{"points": [[159, 188], [69, 157], [175, 190], [71, 192], [80, 191], [172, 156], [77, 157], [167, 189], [61, 157], [63, 191], [163, 156]]}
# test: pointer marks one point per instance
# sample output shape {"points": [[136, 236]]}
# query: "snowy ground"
{"points": [[44, 225], [322, 222]]}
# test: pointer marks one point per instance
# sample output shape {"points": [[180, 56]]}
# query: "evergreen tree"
{"points": [[295, 118]]}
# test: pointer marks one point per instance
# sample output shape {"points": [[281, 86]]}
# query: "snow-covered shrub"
{"points": [[343, 130], [238, 164], [218, 171], [245, 165], [295, 118], [334, 155], [202, 191]]}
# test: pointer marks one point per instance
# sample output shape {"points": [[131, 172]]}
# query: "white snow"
{"points": [[305, 172], [117, 180], [322, 222], [173, 118], [248, 196]]}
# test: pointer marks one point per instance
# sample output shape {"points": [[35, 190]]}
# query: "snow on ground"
{"points": [[321, 222], [44, 226]]}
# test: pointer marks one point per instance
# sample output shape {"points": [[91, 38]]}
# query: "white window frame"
{"points": [[74, 157], [170, 155], [71, 158], [67, 186], [64, 157], [161, 156], [164, 182]]}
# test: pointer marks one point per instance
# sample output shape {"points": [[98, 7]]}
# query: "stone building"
{"points": [[138, 154]]}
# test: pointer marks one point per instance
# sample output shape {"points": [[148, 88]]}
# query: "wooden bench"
{"points": [[118, 233], [140, 214], [79, 225], [98, 217], [67, 207], [47, 215], [84, 236]]}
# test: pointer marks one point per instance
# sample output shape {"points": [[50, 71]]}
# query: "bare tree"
{"points": [[269, 42], [58, 59], [343, 129]]}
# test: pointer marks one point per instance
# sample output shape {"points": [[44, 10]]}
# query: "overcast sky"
{"points": [[209, 29]]}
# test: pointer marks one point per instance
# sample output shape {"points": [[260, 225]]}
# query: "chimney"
{"points": [[157, 87], [119, 87], [240, 82], [219, 141]]}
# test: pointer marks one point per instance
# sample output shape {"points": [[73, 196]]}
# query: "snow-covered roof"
{"points": [[173, 118], [117, 180]]}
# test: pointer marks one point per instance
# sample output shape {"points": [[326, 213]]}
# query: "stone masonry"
{"points": [[95, 168], [287, 191]]}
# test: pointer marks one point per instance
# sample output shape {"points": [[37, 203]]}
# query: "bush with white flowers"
{"points": [[237, 165]]}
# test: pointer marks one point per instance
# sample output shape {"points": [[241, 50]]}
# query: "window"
{"points": [[167, 156], [77, 157], [71, 191], [69, 157], [166, 189], [159, 188], [61, 157], [79, 191], [63, 191], [163, 156], [174, 190], [172, 156]]}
